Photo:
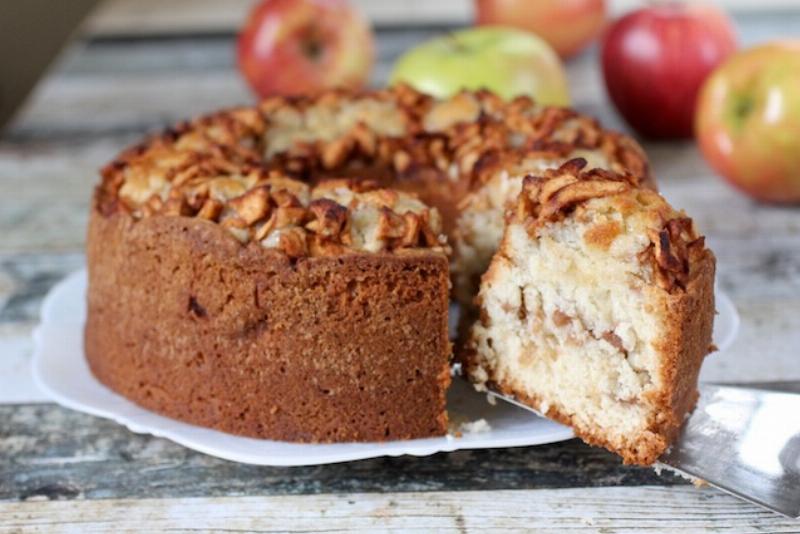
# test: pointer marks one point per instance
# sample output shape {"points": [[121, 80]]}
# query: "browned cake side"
{"points": [[186, 321]]}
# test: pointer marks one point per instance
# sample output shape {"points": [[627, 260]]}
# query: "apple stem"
{"points": [[457, 45], [312, 50]]}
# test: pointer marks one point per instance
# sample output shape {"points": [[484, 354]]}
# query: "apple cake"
{"points": [[597, 309], [283, 271]]}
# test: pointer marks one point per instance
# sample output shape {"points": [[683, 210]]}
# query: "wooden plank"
{"points": [[191, 16], [137, 85], [157, 17], [26, 278], [55, 453], [16, 378], [608, 510], [152, 16]]}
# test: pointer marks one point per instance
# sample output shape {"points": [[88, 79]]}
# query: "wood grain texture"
{"points": [[607, 510], [55, 453], [154, 16]]}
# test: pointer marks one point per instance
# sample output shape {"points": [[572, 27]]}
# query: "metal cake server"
{"points": [[743, 439]]}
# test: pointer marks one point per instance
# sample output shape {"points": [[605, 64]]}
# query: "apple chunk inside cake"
{"points": [[597, 310]]}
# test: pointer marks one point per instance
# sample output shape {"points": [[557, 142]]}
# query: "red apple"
{"points": [[303, 46], [748, 121], [566, 25], [655, 59]]}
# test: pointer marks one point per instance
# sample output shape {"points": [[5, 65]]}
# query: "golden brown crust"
{"points": [[185, 320], [690, 316], [438, 149]]}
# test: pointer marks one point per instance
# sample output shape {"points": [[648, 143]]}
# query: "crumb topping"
{"points": [[675, 245], [252, 170], [550, 196]]}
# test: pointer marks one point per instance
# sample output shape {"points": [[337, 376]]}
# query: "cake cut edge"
{"points": [[680, 290]]}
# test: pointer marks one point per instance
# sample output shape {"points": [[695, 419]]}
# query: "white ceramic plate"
{"points": [[62, 372]]}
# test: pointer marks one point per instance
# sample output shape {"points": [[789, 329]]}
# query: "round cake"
{"points": [[283, 271], [257, 305]]}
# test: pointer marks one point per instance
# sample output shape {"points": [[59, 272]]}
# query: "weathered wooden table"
{"points": [[61, 470]]}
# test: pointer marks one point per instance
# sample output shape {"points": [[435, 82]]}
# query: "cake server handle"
{"points": [[745, 440]]}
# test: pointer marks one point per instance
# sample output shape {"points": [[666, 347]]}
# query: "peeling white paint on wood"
{"points": [[155, 16], [608, 510]]}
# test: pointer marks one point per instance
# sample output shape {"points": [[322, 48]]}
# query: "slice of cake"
{"points": [[480, 222], [250, 303], [597, 310]]}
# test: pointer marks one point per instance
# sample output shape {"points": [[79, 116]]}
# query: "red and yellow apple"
{"points": [[656, 58], [303, 46], [567, 25], [748, 121], [507, 61]]}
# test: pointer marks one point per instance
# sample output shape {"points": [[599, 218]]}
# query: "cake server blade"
{"points": [[743, 439], [746, 441]]}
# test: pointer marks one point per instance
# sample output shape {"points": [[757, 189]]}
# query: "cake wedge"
{"points": [[597, 310]]}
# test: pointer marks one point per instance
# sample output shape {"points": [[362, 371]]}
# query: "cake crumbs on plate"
{"points": [[459, 426], [475, 427]]}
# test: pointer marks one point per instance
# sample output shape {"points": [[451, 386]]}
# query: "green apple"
{"points": [[748, 121], [508, 62]]}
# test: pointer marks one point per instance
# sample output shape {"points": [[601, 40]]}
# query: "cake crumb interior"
{"points": [[567, 321]]}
